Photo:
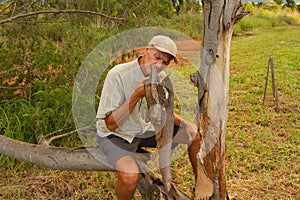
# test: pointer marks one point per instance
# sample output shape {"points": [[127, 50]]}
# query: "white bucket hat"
{"points": [[164, 44]]}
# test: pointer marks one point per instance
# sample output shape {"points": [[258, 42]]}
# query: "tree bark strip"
{"points": [[160, 100]]}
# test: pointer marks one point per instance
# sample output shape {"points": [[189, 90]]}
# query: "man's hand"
{"points": [[140, 86], [191, 130], [187, 133]]}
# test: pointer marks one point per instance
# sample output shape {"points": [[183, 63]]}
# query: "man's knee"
{"points": [[128, 179], [128, 172]]}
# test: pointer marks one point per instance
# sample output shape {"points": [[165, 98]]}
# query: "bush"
{"points": [[265, 16], [45, 111]]}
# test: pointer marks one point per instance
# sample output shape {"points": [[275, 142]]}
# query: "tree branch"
{"points": [[51, 157], [24, 15], [81, 159]]}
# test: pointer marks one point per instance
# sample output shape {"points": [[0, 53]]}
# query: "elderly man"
{"points": [[122, 127]]}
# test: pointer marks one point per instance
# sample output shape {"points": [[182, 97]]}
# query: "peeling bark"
{"points": [[212, 81]]}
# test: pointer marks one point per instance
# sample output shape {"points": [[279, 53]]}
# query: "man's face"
{"points": [[155, 57]]}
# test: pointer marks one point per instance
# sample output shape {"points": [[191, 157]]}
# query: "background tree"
{"points": [[279, 2], [291, 4]]}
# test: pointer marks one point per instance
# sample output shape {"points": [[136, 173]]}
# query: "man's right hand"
{"points": [[140, 86]]}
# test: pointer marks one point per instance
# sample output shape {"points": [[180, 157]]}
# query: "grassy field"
{"points": [[263, 147]]}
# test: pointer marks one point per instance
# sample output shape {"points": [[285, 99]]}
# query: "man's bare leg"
{"points": [[194, 146], [193, 151], [204, 186], [128, 173]]}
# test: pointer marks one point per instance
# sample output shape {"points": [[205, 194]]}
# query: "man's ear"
{"points": [[147, 49]]}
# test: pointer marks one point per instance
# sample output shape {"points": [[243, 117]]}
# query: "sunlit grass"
{"points": [[262, 145]]}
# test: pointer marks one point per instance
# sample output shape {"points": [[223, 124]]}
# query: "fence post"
{"points": [[274, 88]]}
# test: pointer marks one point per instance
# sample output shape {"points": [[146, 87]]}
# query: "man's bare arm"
{"points": [[120, 115], [188, 132], [178, 121]]}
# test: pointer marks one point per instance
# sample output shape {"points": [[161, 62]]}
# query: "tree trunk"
{"points": [[77, 159], [212, 81]]}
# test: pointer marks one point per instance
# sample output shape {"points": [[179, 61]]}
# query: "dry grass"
{"points": [[37, 183]]}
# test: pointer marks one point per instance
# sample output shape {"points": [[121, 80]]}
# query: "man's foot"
{"points": [[204, 186]]}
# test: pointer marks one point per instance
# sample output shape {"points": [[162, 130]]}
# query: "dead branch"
{"points": [[24, 15], [43, 141]]}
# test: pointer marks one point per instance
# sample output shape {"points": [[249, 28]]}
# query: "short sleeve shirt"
{"points": [[118, 87]]}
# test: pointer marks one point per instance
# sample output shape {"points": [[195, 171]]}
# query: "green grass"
{"points": [[262, 145], [262, 160]]}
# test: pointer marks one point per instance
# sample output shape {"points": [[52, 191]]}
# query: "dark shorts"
{"points": [[114, 147]]}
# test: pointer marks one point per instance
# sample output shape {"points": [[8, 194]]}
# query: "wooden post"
{"points": [[266, 84], [274, 88]]}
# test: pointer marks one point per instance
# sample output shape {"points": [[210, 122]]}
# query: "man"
{"points": [[122, 125]]}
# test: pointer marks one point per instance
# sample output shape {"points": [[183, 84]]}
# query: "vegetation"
{"points": [[41, 54], [266, 15], [262, 145]]}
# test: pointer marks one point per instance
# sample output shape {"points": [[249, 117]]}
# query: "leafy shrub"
{"points": [[45, 111], [267, 15]]}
